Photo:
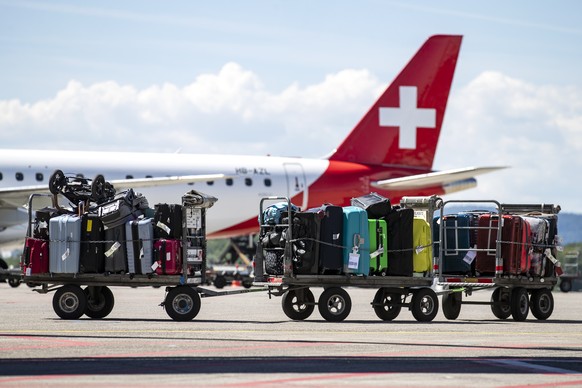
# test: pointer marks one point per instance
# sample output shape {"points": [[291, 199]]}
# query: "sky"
{"points": [[293, 78]]}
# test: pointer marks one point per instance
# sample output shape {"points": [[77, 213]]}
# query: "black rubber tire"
{"points": [[542, 303], [13, 282], [57, 182], [102, 306], [452, 305], [424, 305], [219, 281], [296, 308], [387, 305], [69, 302], [501, 311], [334, 304], [519, 304], [98, 188], [247, 283], [565, 285], [182, 303]]}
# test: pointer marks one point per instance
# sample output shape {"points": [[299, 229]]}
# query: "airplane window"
{"points": [[248, 181], [267, 182], [39, 176], [229, 181], [210, 183], [19, 176], [1, 176], [129, 177], [149, 176]]}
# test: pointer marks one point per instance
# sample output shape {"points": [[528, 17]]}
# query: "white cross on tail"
{"points": [[408, 117]]}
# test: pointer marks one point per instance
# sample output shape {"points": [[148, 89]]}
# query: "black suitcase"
{"points": [[374, 204], [330, 235], [306, 226], [92, 259], [273, 260], [115, 250], [399, 222], [168, 221]]}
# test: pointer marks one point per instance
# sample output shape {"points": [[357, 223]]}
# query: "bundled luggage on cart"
{"points": [[103, 237], [372, 244], [401, 250], [510, 248]]}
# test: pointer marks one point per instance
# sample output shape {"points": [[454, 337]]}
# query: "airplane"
{"points": [[390, 151]]}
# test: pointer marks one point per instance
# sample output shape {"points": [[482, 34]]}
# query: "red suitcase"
{"points": [[168, 255], [36, 254], [516, 248], [486, 243]]}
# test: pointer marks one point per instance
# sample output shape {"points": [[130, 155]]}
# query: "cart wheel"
{"points": [[503, 310], [98, 188], [565, 285], [100, 301], [247, 283], [13, 282], [298, 304], [69, 302], [452, 305], [57, 182], [387, 305], [182, 303], [219, 281], [542, 303], [425, 304], [519, 304], [334, 304]]}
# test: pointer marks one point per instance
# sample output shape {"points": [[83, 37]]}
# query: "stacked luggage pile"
{"points": [[371, 237], [527, 244], [103, 232]]}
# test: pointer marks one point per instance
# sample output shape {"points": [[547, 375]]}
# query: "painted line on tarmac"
{"points": [[306, 378], [278, 332]]}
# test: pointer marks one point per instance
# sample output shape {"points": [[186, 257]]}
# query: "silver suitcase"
{"points": [[140, 246], [65, 243]]}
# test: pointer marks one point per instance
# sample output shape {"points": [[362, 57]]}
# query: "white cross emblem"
{"points": [[408, 117]]}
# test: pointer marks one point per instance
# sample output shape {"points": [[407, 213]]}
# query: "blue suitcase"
{"points": [[356, 241], [65, 243], [140, 246], [457, 243]]}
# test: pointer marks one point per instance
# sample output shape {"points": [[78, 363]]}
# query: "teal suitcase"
{"points": [[356, 241]]}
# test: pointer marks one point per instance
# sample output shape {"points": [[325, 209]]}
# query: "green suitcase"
{"points": [[378, 247]]}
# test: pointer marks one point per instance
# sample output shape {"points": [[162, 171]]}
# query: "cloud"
{"points": [[227, 112], [493, 120], [537, 130]]}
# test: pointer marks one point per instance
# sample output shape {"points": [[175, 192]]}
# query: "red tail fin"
{"points": [[403, 126]]}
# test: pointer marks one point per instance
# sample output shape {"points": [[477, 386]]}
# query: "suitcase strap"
{"points": [[137, 245]]}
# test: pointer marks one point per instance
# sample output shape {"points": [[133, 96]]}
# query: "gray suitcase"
{"points": [[65, 243], [115, 250], [140, 246]]}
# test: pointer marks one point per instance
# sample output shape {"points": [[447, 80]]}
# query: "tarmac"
{"points": [[247, 340]]}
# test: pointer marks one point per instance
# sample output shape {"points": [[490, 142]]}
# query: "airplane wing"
{"points": [[18, 196], [432, 179]]}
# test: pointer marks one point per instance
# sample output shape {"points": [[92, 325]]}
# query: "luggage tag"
{"points": [[112, 250], [377, 252], [470, 256], [164, 227], [354, 257], [66, 254]]}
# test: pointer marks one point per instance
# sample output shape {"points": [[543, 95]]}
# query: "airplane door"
{"points": [[296, 183]]}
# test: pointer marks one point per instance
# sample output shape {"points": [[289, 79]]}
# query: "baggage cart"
{"points": [[79, 293], [520, 270], [298, 302]]}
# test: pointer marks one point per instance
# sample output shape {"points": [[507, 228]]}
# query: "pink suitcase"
{"points": [[168, 254]]}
